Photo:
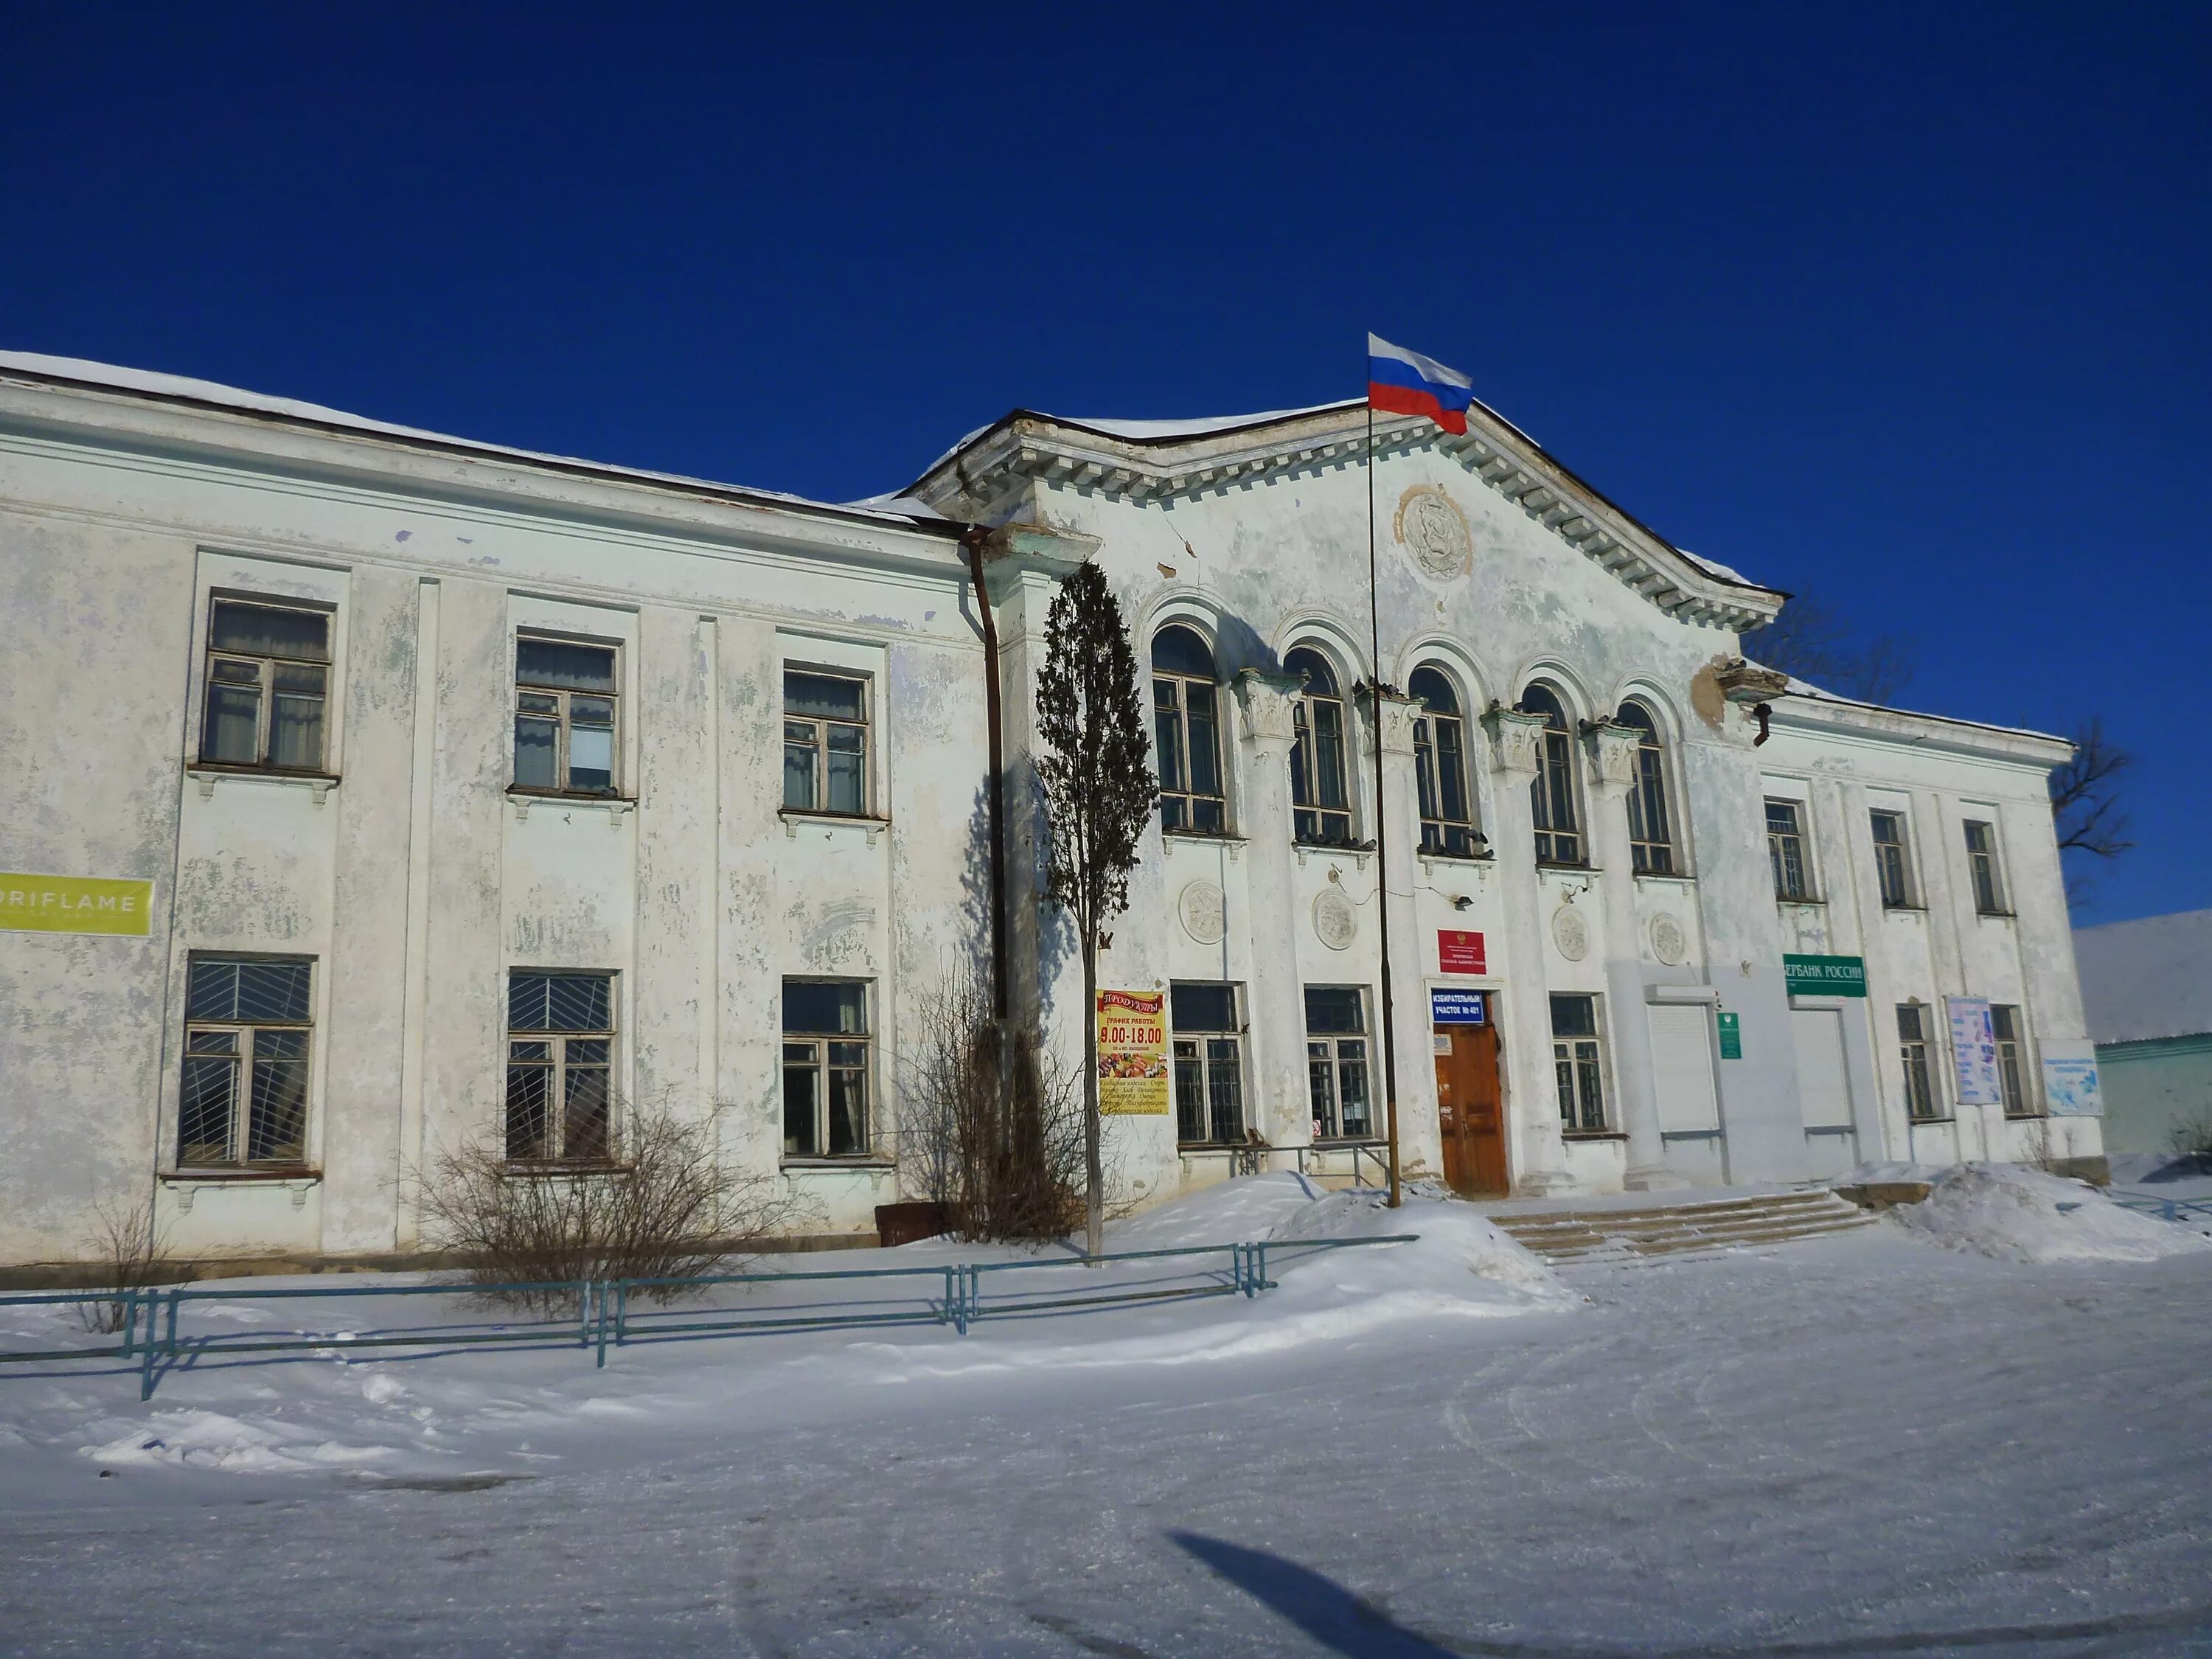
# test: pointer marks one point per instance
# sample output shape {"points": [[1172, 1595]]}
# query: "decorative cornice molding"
{"points": [[994, 473]]}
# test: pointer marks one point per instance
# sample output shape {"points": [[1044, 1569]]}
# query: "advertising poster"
{"points": [[2070, 1088], [1974, 1051], [75, 904], [1132, 1053]]}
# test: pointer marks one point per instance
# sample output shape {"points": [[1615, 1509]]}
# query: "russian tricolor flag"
{"points": [[1402, 382]]}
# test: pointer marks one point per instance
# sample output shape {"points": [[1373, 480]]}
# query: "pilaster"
{"points": [[1515, 749], [1416, 1099], [1276, 1009]]}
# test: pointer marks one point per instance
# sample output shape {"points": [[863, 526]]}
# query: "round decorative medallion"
{"points": [[1336, 923], [1205, 912], [1667, 941], [1570, 932], [1432, 528]]}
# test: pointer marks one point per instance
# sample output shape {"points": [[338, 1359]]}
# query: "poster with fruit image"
{"points": [[1132, 1053]]}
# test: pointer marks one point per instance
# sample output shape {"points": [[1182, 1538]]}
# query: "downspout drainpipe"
{"points": [[972, 537]]}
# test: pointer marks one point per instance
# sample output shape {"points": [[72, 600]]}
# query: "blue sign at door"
{"points": [[1458, 1008]]}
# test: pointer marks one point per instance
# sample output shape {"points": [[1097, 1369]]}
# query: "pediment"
{"points": [[987, 476]]}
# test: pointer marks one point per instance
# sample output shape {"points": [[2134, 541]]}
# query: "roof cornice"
{"points": [[1831, 716], [991, 471]]}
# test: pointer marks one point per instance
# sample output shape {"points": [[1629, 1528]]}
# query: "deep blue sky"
{"points": [[1903, 306]]}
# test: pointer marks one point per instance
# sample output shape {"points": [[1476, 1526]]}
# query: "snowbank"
{"points": [[2015, 1213], [2163, 1175]]}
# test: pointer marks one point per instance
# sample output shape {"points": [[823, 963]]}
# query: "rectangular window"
{"points": [[1337, 1063], [1186, 726], [1889, 860], [247, 1030], [268, 681], [825, 743], [1578, 1062], [1785, 847], [1982, 866], [1913, 1041], [825, 1069], [1208, 1054], [560, 1067], [565, 699], [2004, 1020]]}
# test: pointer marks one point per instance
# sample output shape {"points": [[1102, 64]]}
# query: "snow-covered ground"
{"points": [[1866, 1443]]}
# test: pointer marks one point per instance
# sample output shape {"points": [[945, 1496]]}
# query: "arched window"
{"points": [[1322, 809], [1650, 840], [1440, 764], [1186, 732], [1559, 837]]}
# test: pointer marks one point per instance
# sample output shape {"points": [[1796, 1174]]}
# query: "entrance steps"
{"points": [[1607, 1235]]}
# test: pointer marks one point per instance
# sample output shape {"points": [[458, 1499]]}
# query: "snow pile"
{"points": [[2163, 1175], [2015, 1213], [211, 1440]]}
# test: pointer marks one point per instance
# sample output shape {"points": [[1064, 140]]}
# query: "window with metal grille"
{"points": [[1552, 794], [1187, 733], [2012, 1075], [565, 702], [1889, 860], [1912, 1046], [825, 1069], [1321, 806], [1651, 839], [1440, 767], [1337, 1063], [1579, 1063], [1208, 1055], [825, 742], [248, 1025], [560, 1067], [1982, 867], [268, 684], [1785, 849]]}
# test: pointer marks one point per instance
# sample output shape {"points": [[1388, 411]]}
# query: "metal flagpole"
{"points": [[1381, 835]]}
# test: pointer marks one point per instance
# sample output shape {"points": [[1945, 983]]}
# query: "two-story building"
{"points": [[371, 791]]}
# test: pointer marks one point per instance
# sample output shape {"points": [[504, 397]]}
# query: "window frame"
{"points": [[1443, 835], [1332, 1058], [1984, 869], [244, 1062], [1798, 837], [1197, 1053], [1554, 793], [1923, 1104], [1579, 1069], [818, 742], [1893, 855], [1180, 798], [2013, 1073], [1315, 822], [822, 1064], [1649, 853], [561, 1069], [561, 717], [265, 690]]}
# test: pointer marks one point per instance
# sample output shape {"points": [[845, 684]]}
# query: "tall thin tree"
{"points": [[1099, 791]]}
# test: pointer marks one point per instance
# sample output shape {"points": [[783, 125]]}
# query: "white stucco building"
{"points": [[369, 790]]}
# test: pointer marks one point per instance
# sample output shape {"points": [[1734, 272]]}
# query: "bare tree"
{"points": [[2085, 796], [1812, 642], [1099, 793], [135, 1255], [991, 1124], [667, 1210]]}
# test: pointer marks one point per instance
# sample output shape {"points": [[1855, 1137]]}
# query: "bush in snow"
{"points": [[666, 1209], [135, 1256]]}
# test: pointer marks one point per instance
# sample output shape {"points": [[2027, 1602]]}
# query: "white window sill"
{"points": [[189, 1184], [320, 783], [1673, 878], [865, 822], [525, 801], [1316, 849], [872, 1166]]}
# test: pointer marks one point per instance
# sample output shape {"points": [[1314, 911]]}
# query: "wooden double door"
{"points": [[1470, 1109]]}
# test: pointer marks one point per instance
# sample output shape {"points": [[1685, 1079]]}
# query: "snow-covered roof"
{"points": [[1812, 693], [178, 388], [2147, 978]]}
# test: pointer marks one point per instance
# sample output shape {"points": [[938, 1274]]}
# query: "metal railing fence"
{"points": [[617, 1312]]}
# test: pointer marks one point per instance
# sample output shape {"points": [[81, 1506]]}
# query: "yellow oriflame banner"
{"points": [[75, 904]]}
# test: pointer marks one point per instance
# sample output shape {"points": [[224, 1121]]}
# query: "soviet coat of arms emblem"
{"points": [[1430, 526]]}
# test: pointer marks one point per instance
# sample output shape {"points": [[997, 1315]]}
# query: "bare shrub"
{"points": [[667, 1209], [135, 1255], [2039, 1147], [991, 1123], [2191, 1138]]}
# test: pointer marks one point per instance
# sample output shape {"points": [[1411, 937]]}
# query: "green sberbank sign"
{"points": [[1824, 977]]}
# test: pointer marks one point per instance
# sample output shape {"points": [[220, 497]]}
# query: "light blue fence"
{"points": [[619, 1312]]}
